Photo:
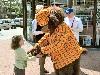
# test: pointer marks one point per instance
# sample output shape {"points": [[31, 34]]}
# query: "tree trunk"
{"points": [[94, 22], [70, 3], [24, 19]]}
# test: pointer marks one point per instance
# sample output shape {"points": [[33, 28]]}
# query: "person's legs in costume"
{"points": [[41, 63], [41, 60]]}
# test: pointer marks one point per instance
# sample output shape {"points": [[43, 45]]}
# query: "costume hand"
{"points": [[33, 49], [36, 50], [30, 51]]}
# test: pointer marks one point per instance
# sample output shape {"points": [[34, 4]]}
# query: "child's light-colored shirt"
{"points": [[21, 58]]}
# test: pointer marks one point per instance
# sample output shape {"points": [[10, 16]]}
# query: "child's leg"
{"points": [[19, 71]]}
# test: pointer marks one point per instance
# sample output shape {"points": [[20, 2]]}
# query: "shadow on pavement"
{"points": [[90, 62]]}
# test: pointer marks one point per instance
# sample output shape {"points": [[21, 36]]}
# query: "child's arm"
{"points": [[32, 58]]}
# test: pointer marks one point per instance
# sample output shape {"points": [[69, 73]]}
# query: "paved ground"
{"points": [[90, 63]]}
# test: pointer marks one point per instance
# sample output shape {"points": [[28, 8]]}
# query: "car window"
{"points": [[7, 21], [16, 20]]}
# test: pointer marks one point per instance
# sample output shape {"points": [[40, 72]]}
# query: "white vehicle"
{"points": [[7, 24], [13, 24], [18, 22]]}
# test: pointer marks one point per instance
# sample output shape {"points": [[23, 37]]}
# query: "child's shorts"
{"points": [[18, 71]]}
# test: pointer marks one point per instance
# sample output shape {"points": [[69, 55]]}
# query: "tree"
{"points": [[9, 6], [70, 3]]}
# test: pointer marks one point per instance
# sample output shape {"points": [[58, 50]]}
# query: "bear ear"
{"points": [[42, 17]]}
